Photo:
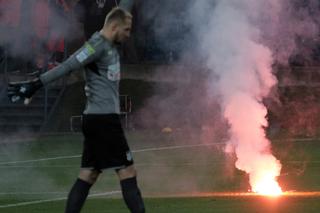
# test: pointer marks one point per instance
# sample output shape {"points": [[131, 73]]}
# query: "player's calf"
{"points": [[77, 196], [132, 195]]}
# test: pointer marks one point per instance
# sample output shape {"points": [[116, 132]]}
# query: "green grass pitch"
{"points": [[37, 174]]}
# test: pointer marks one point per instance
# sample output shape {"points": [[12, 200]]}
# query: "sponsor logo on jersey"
{"points": [[114, 72]]}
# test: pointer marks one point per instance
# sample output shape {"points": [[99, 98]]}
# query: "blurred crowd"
{"points": [[40, 33]]}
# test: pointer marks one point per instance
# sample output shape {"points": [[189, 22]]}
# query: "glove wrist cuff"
{"points": [[38, 84]]}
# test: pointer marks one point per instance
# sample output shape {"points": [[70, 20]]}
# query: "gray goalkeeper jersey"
{"points": [[101, 61]]}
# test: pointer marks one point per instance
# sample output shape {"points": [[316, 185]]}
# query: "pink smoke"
{"points": [[236, 54]]}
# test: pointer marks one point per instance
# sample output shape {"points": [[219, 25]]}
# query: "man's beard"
{"points": [[118, 41]]}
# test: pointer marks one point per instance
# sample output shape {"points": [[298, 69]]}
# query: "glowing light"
{"points": [[267, 186]]}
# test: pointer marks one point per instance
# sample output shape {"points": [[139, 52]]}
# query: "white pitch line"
{"points": [[134, 151], [43, 193], [146, 164], [54, 199], [38, 160], [176, 147], [37, 166], [31, 193]]}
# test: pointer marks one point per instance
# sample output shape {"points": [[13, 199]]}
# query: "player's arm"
{"points": [[88, 53], [126, 4]]}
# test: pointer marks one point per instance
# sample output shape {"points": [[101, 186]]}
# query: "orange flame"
{"points": [[267, 186]]}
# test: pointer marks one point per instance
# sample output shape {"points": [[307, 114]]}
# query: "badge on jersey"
{"points": [[85, 53], [114, 72]]}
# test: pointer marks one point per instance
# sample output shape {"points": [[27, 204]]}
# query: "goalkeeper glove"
{"points": [[23, 90]]}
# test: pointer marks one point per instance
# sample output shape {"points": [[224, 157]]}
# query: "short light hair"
{"points": [[117, 14]]}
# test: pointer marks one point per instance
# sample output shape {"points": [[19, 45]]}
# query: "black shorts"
{"points": [[105, 145]]}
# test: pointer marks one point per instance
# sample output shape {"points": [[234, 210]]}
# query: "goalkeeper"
{"points": [[105, 145]]}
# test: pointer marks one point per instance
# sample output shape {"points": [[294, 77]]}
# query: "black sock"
{"points": [[131, 195], [77, 196]]}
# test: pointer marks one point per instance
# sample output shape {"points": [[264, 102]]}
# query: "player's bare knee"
{"points": [[127, 172], [89, 176]]}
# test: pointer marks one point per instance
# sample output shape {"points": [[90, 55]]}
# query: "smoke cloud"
{"points": [[27, 25], [235, 53], [228, 55]]}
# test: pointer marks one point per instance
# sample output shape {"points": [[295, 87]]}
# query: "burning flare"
{"points": [[247, 118], [264, 180], [242, 65], [267, 186]]}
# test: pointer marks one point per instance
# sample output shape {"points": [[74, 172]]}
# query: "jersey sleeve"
{"points": [[89, 52], [126, 5]]}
